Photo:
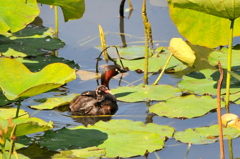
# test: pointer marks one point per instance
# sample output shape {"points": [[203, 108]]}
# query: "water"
{"points": [[81, 38]]}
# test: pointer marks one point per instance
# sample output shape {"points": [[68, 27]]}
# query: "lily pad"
{"points": [[156, 62], [147, 92], [50, 103], [6, 113], [133, 138], [205, 82], [221, 56], [26, 126], [205, 135], [15, 15], [90, 152], [35, 64], [72, 9], [185, 107], [33, 40], [21, 82]]}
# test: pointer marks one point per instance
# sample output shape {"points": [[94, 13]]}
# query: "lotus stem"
{"points": [[163, 69], [56, 21], [18, 107], [145, 21], [221, 143], [12, 144], [229, 66]]}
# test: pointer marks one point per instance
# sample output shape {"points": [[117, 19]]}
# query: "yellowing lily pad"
{"points": [[185, 107], [205, 135], [21, 82], [132, 138], [144, 93], [50, 103]]}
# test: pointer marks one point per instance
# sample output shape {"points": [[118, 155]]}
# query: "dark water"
{"points": [[81, 38]]}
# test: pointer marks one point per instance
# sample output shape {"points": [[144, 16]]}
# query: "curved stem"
{"points": [[228, 79], [163, 69]]}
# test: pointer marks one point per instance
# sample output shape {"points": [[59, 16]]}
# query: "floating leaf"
{"points": [[195, 25], [15, 15], [90, 152], [205, 82], [86, 75], [50, 103], [33, 40], [35, 64], [221, 55], [204, 135], [147, 92], [182, 51], [133, 138], [72, 9], [156, 62], [185, 107], [21, 82], [6, 113]]}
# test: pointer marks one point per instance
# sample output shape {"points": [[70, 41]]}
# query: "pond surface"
{"points": [[81, 38]]}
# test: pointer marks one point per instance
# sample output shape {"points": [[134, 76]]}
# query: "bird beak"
{"points": [[108, 91]]}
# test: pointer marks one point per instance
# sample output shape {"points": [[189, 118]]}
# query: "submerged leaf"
{"points": [[21, 82], [185, 107], [144, 93], [182, 51]]}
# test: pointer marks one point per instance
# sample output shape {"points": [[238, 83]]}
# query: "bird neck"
{"points": [[106, 77]]}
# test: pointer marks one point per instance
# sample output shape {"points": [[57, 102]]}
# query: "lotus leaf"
{"points": [[35, 64], [221, 56], [20, 156], [33, 40], [90, 152], [144, 93], [16, 14], [204, 135], [27, 126], [21, 142], [6, 113], [72, 9], [50, 103], [195, 25], [132, 138], [156, 62], [226, 9], [21, 82], [204, 82], [185, 107]]}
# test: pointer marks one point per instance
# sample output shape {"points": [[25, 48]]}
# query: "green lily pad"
{"points": [[90, 152], [6, 113], [21, 82], [221, 56], [132, 138], [26, 126], [185, 107], [50, 103], [156, 62], [16, 14], [72, 9], [20, 156], [33, 40], [35, 64], [190, 21], [205, 82], [21, 142], [205, 135], [147, 92]]}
